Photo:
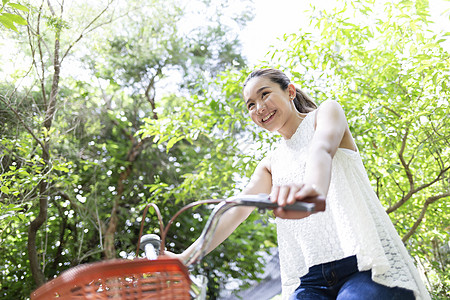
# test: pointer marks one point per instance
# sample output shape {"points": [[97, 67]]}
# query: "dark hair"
{"points": [[303, 103]]}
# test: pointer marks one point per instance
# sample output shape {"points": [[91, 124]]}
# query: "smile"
{"points": [[268, 116]]}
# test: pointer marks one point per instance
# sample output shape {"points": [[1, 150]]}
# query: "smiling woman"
{"points": [[349, 251]]}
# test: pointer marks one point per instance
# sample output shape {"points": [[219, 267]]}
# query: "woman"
{"points": [[350, 251]]}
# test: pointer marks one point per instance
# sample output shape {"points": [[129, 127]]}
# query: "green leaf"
{"points": [[19, 6], [4, 189], [172, 142], [16, 18], [24, 173], [8, 23]]}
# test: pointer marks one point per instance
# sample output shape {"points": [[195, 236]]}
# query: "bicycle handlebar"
{"points": [[261, 201], [150, 242]]}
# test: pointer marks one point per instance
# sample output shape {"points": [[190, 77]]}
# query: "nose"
{"points": [[260, 107]]}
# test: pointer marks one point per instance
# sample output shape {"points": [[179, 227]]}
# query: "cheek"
{"points": [[253, 116]]}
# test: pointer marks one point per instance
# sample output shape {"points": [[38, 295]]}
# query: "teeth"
{"points": [[268, 116]]}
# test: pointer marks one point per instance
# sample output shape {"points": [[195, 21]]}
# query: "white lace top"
{"points": [[354, 222]]}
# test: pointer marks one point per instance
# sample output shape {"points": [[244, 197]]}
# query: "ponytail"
{"points": [[303, 103]]}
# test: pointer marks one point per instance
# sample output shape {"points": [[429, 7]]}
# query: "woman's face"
{"points": [[268, 105]]}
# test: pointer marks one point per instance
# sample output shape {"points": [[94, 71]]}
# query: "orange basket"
{"points": [[164, 278]]}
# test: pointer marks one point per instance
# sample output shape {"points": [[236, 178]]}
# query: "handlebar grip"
{"points": [[319, 202], [311, 204], [262, 202]]}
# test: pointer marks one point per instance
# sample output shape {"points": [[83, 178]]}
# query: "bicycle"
{"points": [[157, 276]]}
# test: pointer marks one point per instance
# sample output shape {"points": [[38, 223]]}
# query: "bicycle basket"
{"points": [[164, 279]]}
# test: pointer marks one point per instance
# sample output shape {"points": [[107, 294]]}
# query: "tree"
{"points": [[391, 74], [45, 54], [75, 166], [139, 58]]}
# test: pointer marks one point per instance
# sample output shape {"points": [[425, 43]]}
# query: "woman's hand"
{"points": [[289, 194]]}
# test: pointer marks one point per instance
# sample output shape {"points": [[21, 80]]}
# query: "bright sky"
{"points": [[275, 18], [272, 20]]}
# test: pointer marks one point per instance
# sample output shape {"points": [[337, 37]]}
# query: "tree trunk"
{"points": [[36, 270]]}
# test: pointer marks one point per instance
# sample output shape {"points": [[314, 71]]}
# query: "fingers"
{"points": [[285, 194], [289, 194], [307, 190], [274, 194]]}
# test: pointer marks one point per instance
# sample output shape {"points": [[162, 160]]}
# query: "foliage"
{"points": [[10, 14], [391, 74], [75, 154]]}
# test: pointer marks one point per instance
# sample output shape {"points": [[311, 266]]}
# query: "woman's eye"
{"points": [[251, 105], [264, 94]]}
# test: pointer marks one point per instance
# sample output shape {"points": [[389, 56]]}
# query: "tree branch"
{"points": [[413, 191], [27, 128], [85, 30], [429, 201], [41, 56], [392, 111], [50, 7], [151, 99]]}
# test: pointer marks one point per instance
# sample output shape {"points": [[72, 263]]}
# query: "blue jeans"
{"points": [[341, 280]]}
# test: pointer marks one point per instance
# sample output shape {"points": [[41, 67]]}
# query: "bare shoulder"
{"points": [[331, 118], [331, 127], [330, 107], [330, 112]]}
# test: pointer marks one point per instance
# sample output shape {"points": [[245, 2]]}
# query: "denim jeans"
{"points": [[341, 280]]}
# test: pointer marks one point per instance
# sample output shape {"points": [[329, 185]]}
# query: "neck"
{"points": [[291, 125]]}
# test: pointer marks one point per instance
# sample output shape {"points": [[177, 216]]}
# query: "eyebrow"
{"points": [[257, 92]]}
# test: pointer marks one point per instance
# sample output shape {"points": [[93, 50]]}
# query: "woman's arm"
{"points": [[331, 131], [261, 182]]}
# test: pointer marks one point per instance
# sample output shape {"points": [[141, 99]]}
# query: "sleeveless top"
{"points": [[354, 221]]}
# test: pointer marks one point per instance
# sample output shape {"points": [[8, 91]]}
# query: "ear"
{"points": [[291, 91]]}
